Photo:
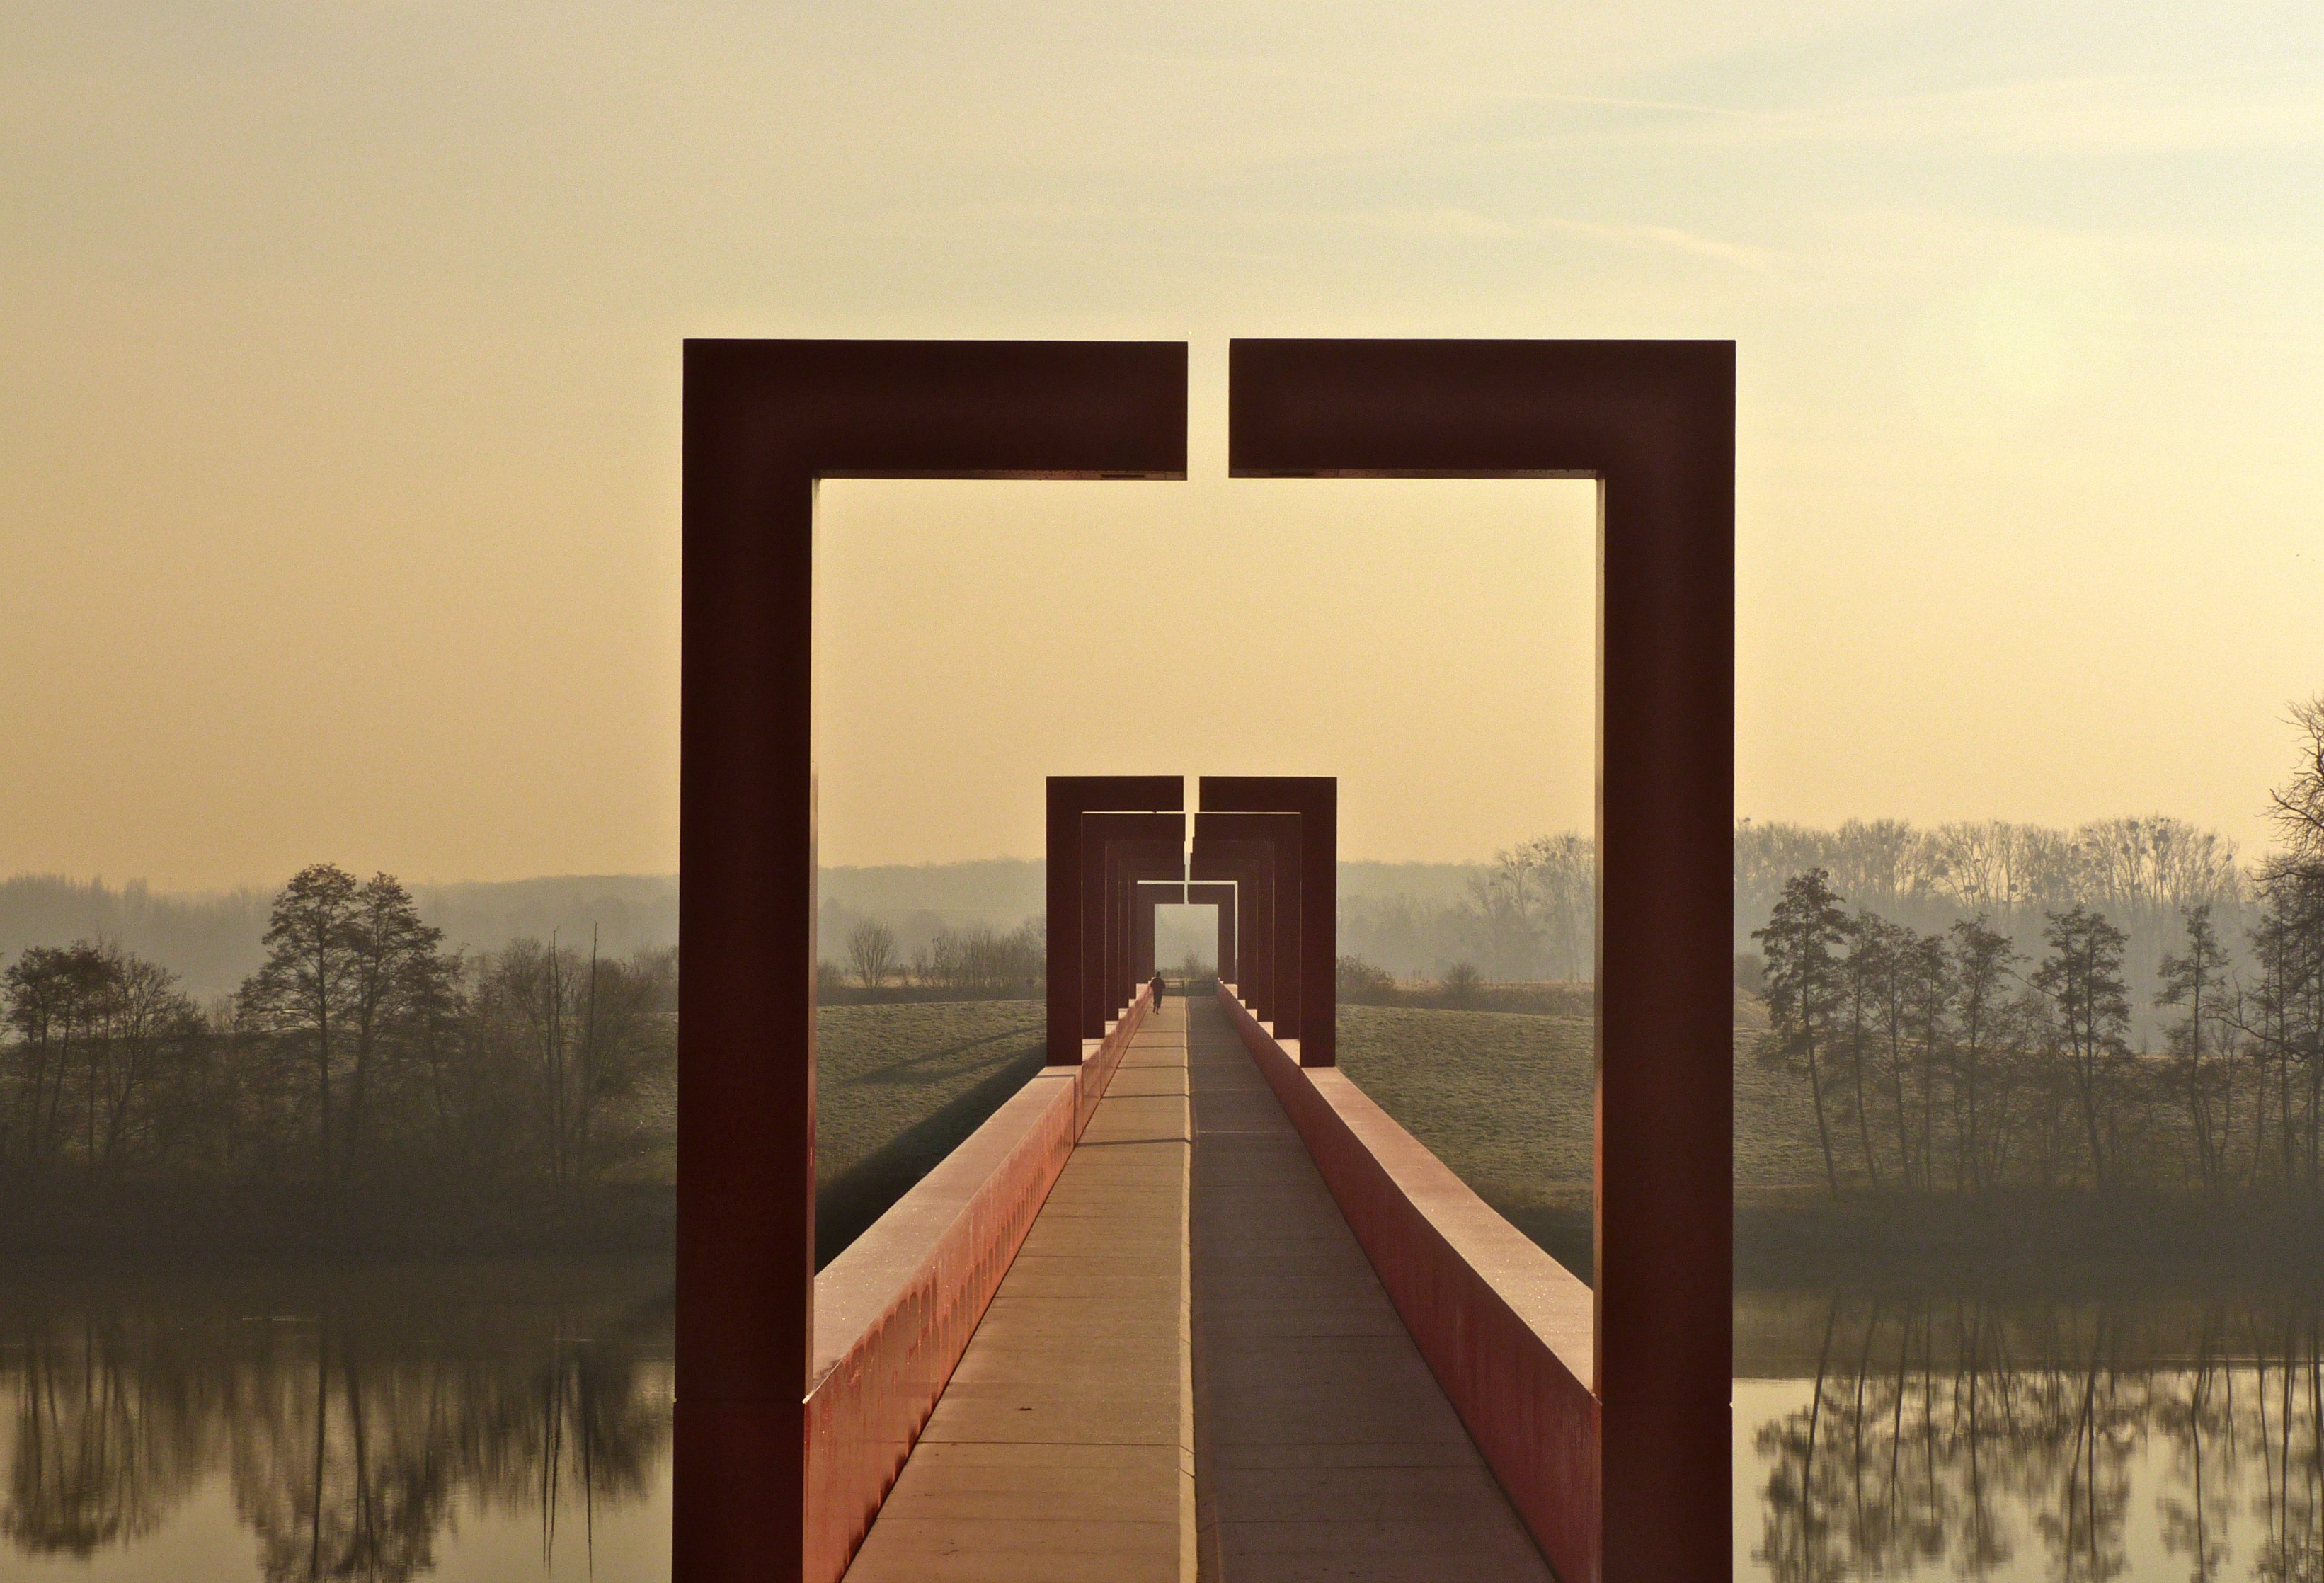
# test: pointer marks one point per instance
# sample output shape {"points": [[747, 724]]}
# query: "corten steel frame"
{"points": [[1218, 898], [1221, 898], [1101, 923], [1280, 834], [1147, 897], [1068, 798], [1250, 866], [1135, 863], [764, 422], [1316, 798], [1654, 422]]}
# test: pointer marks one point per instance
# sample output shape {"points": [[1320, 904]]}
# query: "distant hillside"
{"points": [[213, 940]]}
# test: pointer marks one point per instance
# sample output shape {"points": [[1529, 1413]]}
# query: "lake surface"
{"points": [[512, 1420], [475, 1421], [1881, 1435]]}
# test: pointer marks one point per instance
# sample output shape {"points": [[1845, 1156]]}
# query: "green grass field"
{"points": [[1504, 1098], [897, 1088]]}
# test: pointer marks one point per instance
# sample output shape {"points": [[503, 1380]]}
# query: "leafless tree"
{"points": [[872, 952]]}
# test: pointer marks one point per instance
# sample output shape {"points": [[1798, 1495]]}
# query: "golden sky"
{"points": [[340, 351]]}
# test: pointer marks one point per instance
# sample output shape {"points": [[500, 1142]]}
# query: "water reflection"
{"points": [[353, 1433], [1973, 1437]]}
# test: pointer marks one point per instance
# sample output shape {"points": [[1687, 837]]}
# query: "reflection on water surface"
{"points": [[512, 1420], [1955, 1437], [478, 1421]]}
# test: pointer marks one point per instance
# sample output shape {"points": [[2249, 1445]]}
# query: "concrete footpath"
{"points": [[1191, 1371], [1062, 1448]]}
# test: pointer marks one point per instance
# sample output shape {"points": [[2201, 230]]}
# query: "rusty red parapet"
{"points": [[1504, 1326], [899, 1307]]}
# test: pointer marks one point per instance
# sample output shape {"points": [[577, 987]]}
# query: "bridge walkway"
{"points": [[1192, 1371]]}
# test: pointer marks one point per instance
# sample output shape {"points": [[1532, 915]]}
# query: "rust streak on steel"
{"points": [[1069, 797], [765, 420], [1654, 424], [1316, 798]]}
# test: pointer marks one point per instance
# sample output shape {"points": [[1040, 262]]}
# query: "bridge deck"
{"points": [[1191, 1240]]}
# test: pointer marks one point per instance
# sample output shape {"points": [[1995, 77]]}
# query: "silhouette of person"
{"points": [[1158, 989]]}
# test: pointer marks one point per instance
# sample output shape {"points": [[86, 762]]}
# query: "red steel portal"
{"points": [[1651, 422], [1654, 424], [765, 421], [1069, 799]]}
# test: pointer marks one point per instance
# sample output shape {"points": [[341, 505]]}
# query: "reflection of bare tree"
{"points": [[1942, 1437], [349, 1453], [100, 1452]]}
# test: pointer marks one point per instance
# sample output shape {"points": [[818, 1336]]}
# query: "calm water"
{"points": [[1884, 1437], [512, 1421], [499, 1421]]}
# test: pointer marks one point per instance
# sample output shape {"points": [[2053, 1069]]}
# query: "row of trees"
{"points": [[975, 959], [1953, 1060], [360, 1050]]}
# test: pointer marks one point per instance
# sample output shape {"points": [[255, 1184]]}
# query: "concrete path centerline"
{"points": [[1062, 1448], [1326, 1448]]}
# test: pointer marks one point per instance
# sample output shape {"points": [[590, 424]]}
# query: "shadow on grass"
{"points": [[846, 1205]]}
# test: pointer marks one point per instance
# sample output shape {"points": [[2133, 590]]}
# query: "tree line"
{"points": [[360, 1051], [972, 961], [1953, 1060]]}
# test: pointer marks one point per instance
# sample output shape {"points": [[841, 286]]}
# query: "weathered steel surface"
{"points": [[763, 421], [1316, 798], [1506, 1329], [1151, 894], [1105, 909], [1250, 866], [1654, 422], [1277, 836], [1221, 897], [1068, 798], [1135, 863], [899, 1307]]}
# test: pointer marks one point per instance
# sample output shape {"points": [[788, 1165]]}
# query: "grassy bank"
{"points": [[899, 1087], [1505, 1099]]}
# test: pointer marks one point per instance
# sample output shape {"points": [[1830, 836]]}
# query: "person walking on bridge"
{"points": [[1158, 989]]}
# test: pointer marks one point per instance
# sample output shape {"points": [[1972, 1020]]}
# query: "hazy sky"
{"points": [[340, 351]]}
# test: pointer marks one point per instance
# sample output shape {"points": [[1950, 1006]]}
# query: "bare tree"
{"points": [[872, 952], [2298, 805]]}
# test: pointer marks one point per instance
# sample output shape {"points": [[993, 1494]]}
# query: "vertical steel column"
{"points": [[1104, 915], [1250, 866], [1069, 797], [1654, 422], [1279, 835], [1221, 899], [763, 421], [1316, 798]]}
